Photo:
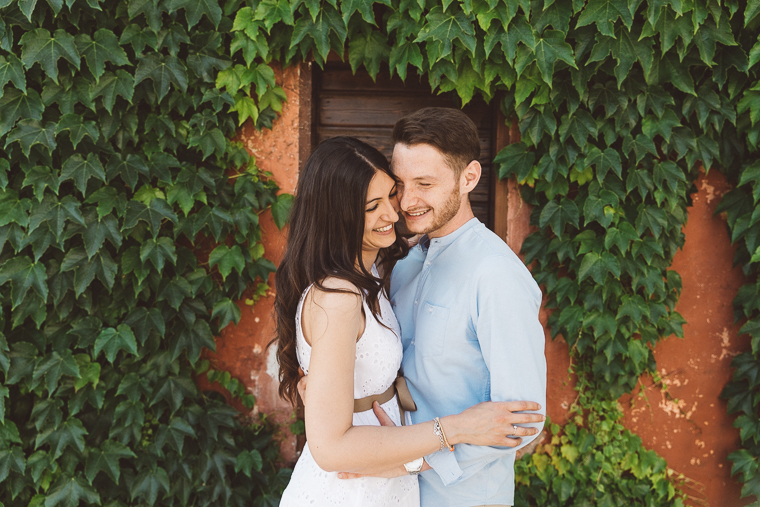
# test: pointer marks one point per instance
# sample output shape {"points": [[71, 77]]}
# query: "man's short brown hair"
{"points": [[448, 130]]}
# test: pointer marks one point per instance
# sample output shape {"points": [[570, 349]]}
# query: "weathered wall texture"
{"points": [[686, 423]]}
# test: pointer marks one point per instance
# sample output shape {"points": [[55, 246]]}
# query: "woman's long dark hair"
{"points": [[325, 239]]}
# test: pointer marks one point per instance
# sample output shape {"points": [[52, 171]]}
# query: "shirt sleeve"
{"points": [[505, 318]]}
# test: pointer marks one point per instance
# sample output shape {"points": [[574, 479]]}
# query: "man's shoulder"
{"points": [[480, 244]]}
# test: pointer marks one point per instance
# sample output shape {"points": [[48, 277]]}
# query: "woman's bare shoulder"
{"points": [[336, 294]]}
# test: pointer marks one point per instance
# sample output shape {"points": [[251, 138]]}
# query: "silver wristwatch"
{"points": [[414, 467]]}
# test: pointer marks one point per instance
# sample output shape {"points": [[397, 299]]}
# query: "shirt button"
{"points": [[427, 263], [415, 302]]}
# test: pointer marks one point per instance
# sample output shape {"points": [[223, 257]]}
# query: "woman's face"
{"points": [[380, 214]]}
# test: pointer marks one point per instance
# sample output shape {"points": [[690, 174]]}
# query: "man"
{"points": [[467, 306]]}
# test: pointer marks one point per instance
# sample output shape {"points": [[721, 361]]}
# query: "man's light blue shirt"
{"points": [[468, 310]]}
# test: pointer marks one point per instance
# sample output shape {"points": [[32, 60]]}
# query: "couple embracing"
{"points": [[457, 313]]}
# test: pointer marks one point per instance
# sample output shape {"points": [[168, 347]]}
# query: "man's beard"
{"points": [[446, 213]]}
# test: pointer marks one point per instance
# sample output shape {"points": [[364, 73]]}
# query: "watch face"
{"points": [[414, 467]]}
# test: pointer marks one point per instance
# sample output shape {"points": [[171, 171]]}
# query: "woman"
{"points": [[335, 322]]}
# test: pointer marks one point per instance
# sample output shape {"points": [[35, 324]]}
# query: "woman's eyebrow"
{"points": [[375, 199]]}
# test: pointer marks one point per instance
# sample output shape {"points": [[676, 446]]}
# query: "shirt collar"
{"points": [[444, 241]]}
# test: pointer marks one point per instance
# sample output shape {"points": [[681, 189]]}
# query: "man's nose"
{"points": [[406, 198]]}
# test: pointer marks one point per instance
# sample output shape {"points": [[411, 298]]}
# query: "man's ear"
{"points": [[470, 177]]}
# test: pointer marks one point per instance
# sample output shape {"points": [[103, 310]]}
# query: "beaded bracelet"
{"points": [[438, 430]]}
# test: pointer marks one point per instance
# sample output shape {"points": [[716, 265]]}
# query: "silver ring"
{"points": [[514, 428]]}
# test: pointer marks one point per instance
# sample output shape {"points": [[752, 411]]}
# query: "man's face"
{"points": [[429, 193]]}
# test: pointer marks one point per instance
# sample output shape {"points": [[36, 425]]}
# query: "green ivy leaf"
{"points": [[106, 458], [24, 275], [56, 213], [40, 47], [604, 13], [163, 71], [550, 48], [41, 177], [195, 9], [444, 27], [89, 372], [81, 170], [620, 237], [281, 209], [515, 159], [139, 38], [604, 161], [227, 311], [318, 28], [227, 258], [69, 491], [210, 141], [30, 132], [597, 266], [247, 461], [11, 69], [175, 432], [402, 55], [111, 340], [69, 434], [158, 251], [104, 48], [370, 50], [53, 367], [11, 458], [143, 321], [152, 214], [558, 214], [651, 218], [518, 31], [151, 9], [174, 390], [77, 128], [149, 483], [579, 125], [98, 230], [128, 168]]}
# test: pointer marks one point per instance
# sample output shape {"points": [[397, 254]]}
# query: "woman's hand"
{"points": [[492, 423]]}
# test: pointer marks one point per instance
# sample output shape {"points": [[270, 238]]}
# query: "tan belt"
{"points": [[405, 401]]}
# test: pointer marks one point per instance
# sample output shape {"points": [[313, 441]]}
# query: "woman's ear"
{"points": [[470, 177]]}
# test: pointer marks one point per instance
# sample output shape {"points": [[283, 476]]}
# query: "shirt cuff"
{"points": [[445, 465]]}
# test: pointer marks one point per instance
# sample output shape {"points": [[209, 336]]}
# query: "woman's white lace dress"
{"points": [[378, 357]]}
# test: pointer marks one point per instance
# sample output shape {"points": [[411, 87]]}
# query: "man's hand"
{"points": [[493, 423]]}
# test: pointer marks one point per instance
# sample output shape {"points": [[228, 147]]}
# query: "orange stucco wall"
{"points": [[686, 423], [242, 349]]}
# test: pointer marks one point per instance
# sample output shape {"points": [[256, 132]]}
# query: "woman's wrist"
{"points": [[451, 430]]}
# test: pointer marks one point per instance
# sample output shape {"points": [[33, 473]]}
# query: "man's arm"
{"points": [[505, 316]]}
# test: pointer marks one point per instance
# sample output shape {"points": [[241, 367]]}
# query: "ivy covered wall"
{"points": [[117, 170]]}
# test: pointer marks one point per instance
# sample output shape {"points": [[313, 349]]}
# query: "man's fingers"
{"points": [[512, 442], [521, 431], [381, 415], [521, 406], [525, 418]]}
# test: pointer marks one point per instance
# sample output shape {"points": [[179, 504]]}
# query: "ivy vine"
{"points": [[129, 226]]}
